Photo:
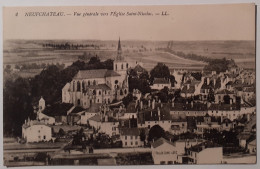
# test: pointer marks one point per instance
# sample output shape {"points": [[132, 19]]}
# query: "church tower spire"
{"points": [[119, 51]]}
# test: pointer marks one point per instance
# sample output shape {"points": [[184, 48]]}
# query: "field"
{"points": [[18, 52]]}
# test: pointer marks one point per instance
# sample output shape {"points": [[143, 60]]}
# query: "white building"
{"points": [[35, 131], [160, 83], [206, 153], [130, 137], [164, 152]]}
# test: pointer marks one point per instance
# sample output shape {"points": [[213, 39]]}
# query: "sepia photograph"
{"points": [[129, 85]]}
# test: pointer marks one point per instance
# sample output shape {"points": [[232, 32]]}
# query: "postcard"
{"points": [[129, 85]]}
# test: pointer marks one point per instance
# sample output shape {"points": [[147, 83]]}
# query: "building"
{"points": [[130, 137], [160, 83], [205, 153], [251, 147], [164, 152], [100, 85], [36, 131]]}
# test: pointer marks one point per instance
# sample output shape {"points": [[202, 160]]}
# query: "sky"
{"points": [[183, 22]]}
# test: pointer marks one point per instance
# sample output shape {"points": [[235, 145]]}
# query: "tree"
{"points": [[94, 60], [61, 132], [160, 71], [127, 99], [156, 132]]}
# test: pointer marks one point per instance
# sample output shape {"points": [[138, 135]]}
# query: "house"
{"points": [[208, 123], [164, 152], [160, 83], [178, 126], [106, 124], [205, 153], [93, 110], [36, 131], [130, 137], [251, 147]]}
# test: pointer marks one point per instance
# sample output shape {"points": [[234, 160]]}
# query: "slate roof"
{"points": [[224, 91], [130, 131], [160, 81], [94, 108], [160, 142], [100, 86], [96, 73], [139, 68], [201, 146], [58, 109], [188, 107], [186, 90], [77, 110], [224, 107]]}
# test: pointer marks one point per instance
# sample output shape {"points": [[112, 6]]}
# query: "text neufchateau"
{"points": [[114, 13]]}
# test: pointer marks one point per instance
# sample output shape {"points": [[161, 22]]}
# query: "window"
{"points": [[116, 66], [170, 162], [44, 137], [78, 86], [125, 143], [136, 143], [136, 137], [162, 162], [131, 143], [78, 101], [122, 66], [39, 131], [125, 137], [99, 92], [131, 137], [127, 65]]}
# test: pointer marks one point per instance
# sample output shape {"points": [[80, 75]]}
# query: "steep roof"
{"points": [[224, 91], [204, 145], [96, 73], [100, 86], [160, 142], [129, 131], [58, 109], [94, 108], [139, 68], [160, 81], [186, 90]]}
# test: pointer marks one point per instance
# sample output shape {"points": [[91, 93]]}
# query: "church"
{"points": [[99, 85]]}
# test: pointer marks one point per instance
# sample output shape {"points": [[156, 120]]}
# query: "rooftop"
{"points": [[96, 73], [129, 131], [204, 145], [160, 142]]}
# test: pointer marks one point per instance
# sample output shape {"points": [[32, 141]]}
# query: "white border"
{"points": [[120, 3]]}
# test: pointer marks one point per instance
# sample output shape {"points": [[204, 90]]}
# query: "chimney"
{"points": [[141, 105], [214, 81], [159, 101], [153, 104], [151, 113], [241, 101], [188, 86], [129, 122], [230, 101], [221, 119], [208, 81], [159, 113], [208, 104], [248, 117], [136, 103], [187, 102], [191, 104], [161, 105], [106, 118], [149, 103], [172, 104]]}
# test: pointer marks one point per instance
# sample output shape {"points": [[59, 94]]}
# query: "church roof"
{"points": [[96, 73]]}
